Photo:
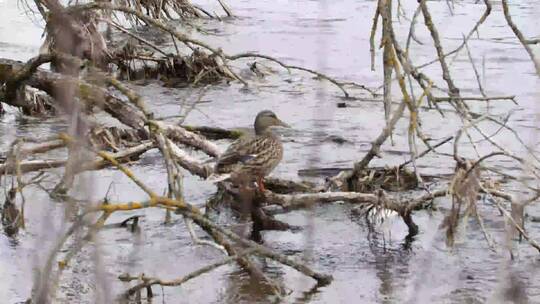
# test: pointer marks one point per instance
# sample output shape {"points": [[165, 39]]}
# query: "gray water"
{"points": [[333, 37]]}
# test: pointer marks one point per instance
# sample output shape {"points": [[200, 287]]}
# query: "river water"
{"points": [[332, 37]]}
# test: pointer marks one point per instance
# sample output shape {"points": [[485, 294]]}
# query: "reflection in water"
{"points": [[241, 288], [391, 265]]}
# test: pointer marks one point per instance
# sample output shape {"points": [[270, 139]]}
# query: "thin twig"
{"points": [[520, 36]]}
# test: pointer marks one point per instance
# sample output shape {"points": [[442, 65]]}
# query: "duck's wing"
{"points": [[242, 151]]}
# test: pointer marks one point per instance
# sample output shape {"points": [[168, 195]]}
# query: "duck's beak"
{"points": [[282, 124]]}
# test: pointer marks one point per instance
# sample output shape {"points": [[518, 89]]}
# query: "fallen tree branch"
{"points": [[98, 163], [149, 282], [381, 200], [474, 98], [179, 134], [42, 147], [17, 80], [93, 95], [303, 200], [189, 163]]}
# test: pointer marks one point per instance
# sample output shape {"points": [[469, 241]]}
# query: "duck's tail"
{"points": [[216, 178]]}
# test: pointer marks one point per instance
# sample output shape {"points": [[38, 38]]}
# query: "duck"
{"points": [[252, 157]]}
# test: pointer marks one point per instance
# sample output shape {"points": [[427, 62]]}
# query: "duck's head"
{"points": [[266, 119]]}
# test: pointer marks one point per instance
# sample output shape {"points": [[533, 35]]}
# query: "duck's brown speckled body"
{"points": [[254, 157]]}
